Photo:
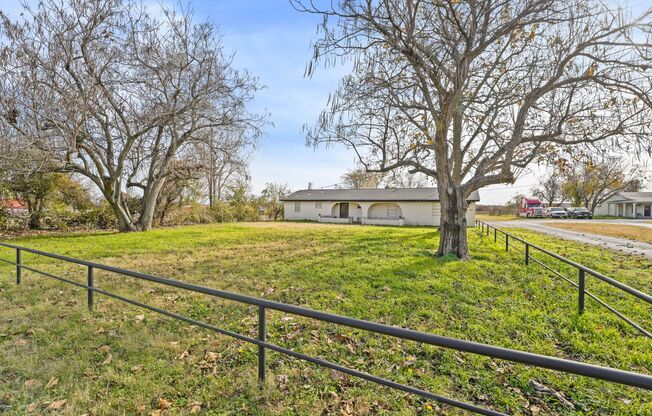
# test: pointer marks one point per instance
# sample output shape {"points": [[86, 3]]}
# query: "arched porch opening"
{"points": [[347, 210], [385, 210]]}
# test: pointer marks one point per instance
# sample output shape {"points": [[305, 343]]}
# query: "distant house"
{"points": [[404, 206], [627, 204], [15, 207]]}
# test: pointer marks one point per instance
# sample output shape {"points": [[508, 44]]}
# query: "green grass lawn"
{"points": [[119, 359]]}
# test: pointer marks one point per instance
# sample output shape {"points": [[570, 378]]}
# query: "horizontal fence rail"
{"points": [[567, 366], [582, 272]]}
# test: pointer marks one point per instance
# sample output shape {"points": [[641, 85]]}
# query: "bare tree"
{"points": [[471, 92], [550, 189], [359, 178], [594, 180], [224, 159], [402, 178], [271, 199], [181, 184], [103, 89]]}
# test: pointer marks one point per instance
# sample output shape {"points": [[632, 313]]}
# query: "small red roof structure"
{"points": [[12, 204]]}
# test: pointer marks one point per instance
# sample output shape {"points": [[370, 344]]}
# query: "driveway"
{"points": [[613, 243]]}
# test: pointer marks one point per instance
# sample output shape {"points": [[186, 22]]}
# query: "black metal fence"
{"points": [[567, 366], [582, 272]]}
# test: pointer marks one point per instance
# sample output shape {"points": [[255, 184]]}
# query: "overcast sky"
{"points": [[272, 41]]}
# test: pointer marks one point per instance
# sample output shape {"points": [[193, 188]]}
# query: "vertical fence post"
{"points": [[495, 235], [487, 229], [506, 242], [19, 270], [262, 336], [90, 287], [580, 297], [527, 254]]}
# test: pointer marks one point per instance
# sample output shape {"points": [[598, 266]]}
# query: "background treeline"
{"points": [[58, 201]]}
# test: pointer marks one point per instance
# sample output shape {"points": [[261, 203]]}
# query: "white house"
{"points": [[404, 206], [627, 204]]}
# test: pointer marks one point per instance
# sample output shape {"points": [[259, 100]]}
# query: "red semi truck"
{"points": [[530, 207]]}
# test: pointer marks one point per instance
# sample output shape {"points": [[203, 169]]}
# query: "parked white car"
{"points": [[556, 212]]}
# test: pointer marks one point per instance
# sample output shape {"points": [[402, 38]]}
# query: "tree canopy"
{"points": [[472, 92], [105, 89]]}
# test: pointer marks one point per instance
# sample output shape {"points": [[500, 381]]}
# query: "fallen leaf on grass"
{"points": [[53, 382], [195, 408], [57, 404], [282, 381], [106, 349], [32, 407], [183, 355], [137, 368], [164, 404], [139, 318], [30, 383], [547, 390], [108, 359], [20, 342]]}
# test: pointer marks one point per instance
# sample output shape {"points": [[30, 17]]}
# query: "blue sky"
{"points": [[272, 41]]}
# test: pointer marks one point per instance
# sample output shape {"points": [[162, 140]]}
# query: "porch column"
{"points": [[634, 210]]}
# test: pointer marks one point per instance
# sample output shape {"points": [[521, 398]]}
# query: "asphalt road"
{"points": [[613, 243]]}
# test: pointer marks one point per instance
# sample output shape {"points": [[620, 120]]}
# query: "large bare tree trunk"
{"points": [[452, 228], [125, 221], [149, 201]]}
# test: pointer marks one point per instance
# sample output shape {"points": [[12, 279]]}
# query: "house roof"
{"points": [[12, 204], [632, 197], [389, 194]]}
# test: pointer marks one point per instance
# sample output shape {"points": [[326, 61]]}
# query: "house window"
{"points": [[392, 212], [297, 207], [318, 205]]}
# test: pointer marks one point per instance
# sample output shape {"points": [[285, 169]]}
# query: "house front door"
{"points": [[647, 211], [344, 210]]}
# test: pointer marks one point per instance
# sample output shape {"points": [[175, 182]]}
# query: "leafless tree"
{"points": [[224, 160], [271, 199], [550, 189], [359, 178], [471, 92], [104, 89], [402, 178], [594, 180], [182, 183]]}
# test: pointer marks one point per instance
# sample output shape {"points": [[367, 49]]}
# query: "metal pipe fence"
{"points": [[582, 272], [629, 378]]}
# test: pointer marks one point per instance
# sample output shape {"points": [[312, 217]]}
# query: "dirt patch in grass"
{"points": [[631, 232]]}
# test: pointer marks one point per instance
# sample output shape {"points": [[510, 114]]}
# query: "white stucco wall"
{"points": [[308, 210], [610, 207], [414, 213]]}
